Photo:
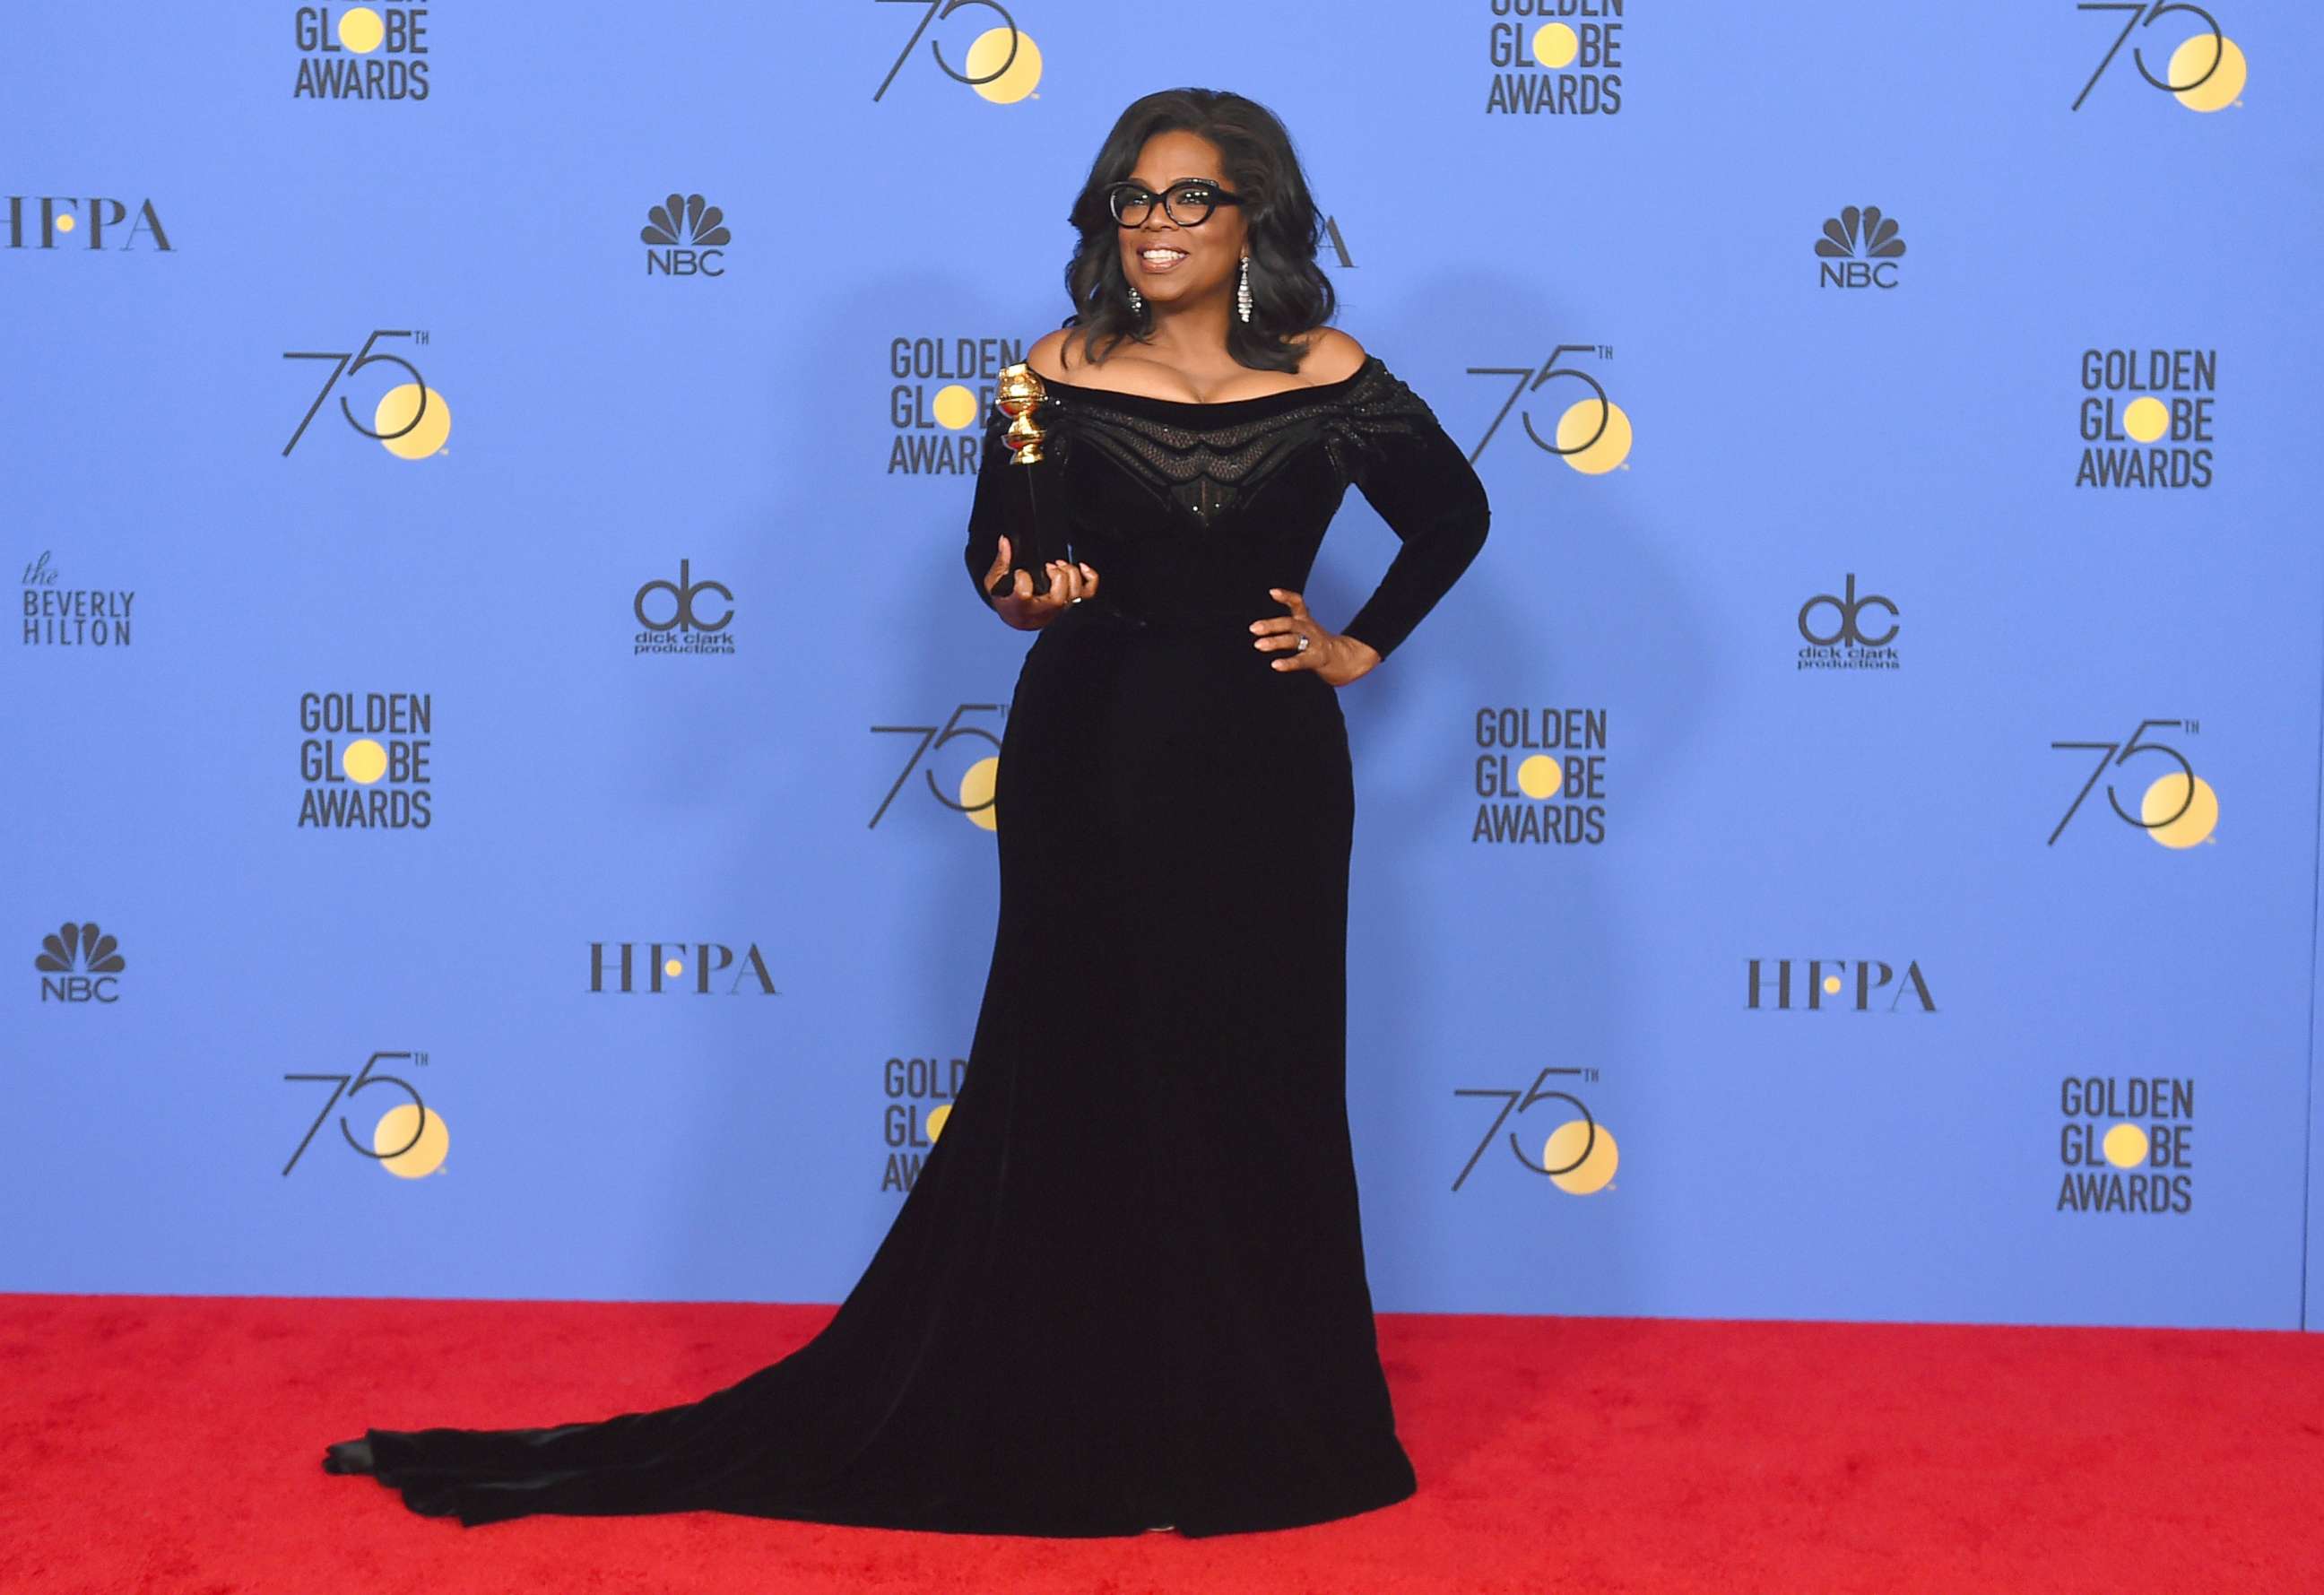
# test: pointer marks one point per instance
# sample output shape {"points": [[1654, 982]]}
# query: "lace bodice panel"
{"points": [[1186, 508]]}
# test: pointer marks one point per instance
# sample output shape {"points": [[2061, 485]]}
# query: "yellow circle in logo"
{"points": [[2223, 87], [2126, 1146], [1613, 444], [360, 29], [2145, 419], [985, 55], [2196, 817], [1540, 776], [424, 1155], [936, 1120], [66, 224], [976, 791], [673, 968], [364, 761], [1564, 1146], [397, 406], [1555, 45], [953, 406], [1831, 985]]}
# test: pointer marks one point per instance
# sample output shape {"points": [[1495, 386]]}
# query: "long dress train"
{"points": [[1127, 1289]]}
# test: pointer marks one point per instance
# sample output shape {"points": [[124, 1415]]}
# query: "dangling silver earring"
{"points": [[1242, 292], [1136, 304]]}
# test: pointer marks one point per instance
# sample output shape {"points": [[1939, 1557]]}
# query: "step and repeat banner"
{"points": [[500, 741]]}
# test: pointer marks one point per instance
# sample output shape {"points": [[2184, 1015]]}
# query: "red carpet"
{"points": [[172, 1445]]}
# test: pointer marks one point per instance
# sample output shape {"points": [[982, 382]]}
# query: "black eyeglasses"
{"points": [[1188, 202]]}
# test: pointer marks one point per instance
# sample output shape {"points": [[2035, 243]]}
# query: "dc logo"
{"points": [[1848, 607], [682, 611]]}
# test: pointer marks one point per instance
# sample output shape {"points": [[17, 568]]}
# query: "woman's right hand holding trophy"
{"points": [[1026, 610]]}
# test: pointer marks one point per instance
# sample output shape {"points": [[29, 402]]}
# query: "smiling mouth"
{"points": [[1160, 258]]}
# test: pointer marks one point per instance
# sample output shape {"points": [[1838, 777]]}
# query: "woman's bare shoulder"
{"points": [[1331, 356], [1046, 356]]}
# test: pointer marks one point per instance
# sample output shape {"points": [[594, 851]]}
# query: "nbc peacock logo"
{"points": [[78, 963], [686, 236], [1858, 248]]}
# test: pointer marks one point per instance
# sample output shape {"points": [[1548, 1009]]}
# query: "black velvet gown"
{"points": [[1127, 1289]]}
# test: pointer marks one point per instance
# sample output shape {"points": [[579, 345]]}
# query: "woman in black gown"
{"points": [[1127, 1289]]}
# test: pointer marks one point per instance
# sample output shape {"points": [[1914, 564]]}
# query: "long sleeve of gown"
{"points": [[990, 512], [1429, 494]]}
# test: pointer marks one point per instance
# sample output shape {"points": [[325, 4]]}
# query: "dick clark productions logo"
{"points": [[674, 617]]}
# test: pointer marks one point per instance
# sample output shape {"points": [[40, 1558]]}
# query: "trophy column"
{"points": [[1037, 531]]}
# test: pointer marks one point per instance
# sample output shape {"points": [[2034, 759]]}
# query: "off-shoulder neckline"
{"points": [[1252, 404]]}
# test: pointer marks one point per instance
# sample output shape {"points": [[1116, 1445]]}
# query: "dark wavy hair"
{"points": [[1289, 293]]}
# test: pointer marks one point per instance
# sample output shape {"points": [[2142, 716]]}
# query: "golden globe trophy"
{"points": [[1037, 527]]}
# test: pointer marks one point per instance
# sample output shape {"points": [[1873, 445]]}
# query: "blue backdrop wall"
{"points": [[497, 675]]}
